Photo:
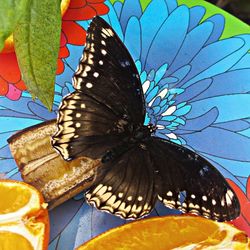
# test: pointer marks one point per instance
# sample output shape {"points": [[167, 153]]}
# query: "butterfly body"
{"points": [[104, 119]]}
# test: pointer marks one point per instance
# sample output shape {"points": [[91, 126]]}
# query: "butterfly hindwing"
{"points": [[183, 172], [127, 188]]}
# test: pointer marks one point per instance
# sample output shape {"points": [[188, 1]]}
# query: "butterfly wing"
{"points": [[128, 186], [108, 97], [183, 171]]}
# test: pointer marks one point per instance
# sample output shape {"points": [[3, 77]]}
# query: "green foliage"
{"points": [[37, 42], [10, 13]]}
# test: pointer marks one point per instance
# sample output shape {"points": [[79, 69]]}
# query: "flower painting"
{"points": [[196, 84]]}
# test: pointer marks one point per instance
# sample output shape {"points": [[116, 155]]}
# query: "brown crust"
{"points": [[29, 129]]}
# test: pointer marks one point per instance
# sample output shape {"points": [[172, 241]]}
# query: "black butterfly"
{"points": [[103, 119]]}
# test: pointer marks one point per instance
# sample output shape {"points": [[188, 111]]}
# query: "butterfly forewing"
{"points": [[86, 128], [109, 97], [182, 171], [107, 73]]}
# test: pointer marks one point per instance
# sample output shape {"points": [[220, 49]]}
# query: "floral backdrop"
{"points": [[196, 88]]}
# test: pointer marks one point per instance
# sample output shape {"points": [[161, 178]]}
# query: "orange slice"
{"points": [[170, 232], [24, 223], [9, 43]]}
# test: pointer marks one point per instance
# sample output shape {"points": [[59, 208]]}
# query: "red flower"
{"points": [[11, 84], [72, 32], [243, 221]]}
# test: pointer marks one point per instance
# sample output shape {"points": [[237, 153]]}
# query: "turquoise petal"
{"points": [[182, 111], [161, 72], [152, 94]]}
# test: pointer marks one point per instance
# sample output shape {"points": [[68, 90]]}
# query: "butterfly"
{"points": [[104, 119]]}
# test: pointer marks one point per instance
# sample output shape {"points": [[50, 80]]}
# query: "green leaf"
{"points": [[10, 13], [37, 42]]}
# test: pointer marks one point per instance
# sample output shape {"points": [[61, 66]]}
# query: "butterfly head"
{"points": [[152, 128]]}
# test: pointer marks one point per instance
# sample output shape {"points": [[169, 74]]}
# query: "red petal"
{"points": [[248, 188], [240, 194], [3, 87], [9, 69], [21, 85], [77, 3], [60, 67], [63, 52], [100, 8], [63, 40], [95, 1], [245, 210], [75, 34], [242, 224], [84, 13]]}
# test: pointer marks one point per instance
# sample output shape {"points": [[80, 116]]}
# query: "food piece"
{"points": [[42, 167], [24, 221], [170, 232]]}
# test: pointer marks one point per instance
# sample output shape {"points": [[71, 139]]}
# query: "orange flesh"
{"points": [[146, 235], [14, 198], [13, 241], [168, 232], [29, 226]]}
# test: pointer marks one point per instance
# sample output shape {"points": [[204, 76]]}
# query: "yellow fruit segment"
{"points": [[24, 221], [170, 232], [14, 198], [13, 241]]}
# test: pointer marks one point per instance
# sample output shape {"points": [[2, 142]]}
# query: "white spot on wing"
{"points": [[89, 85], [129, 198], [96, 74], [204, 197], [139, 198], [104, 52]]}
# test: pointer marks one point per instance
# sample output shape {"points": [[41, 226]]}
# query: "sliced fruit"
{"points": [[9, 44], [24, 221], [170, 232]]}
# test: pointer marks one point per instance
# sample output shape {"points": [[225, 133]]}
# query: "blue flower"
{"points": [[196, 88]]}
